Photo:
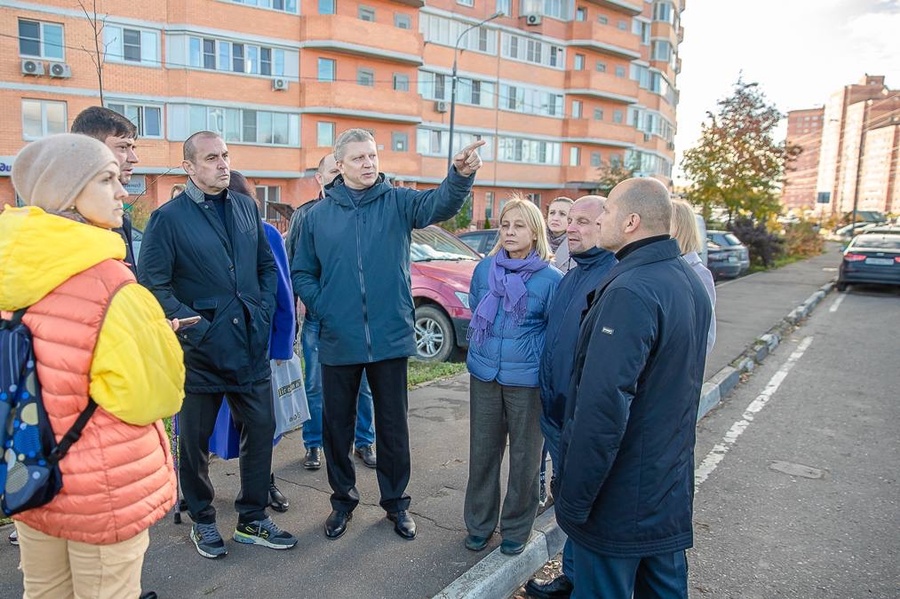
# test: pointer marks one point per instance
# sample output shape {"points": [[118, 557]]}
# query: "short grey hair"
{"points": [[650, 199], [348, 137]]}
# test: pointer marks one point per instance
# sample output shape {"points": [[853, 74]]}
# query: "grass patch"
{"points": [[422, 372], [779, 262]]}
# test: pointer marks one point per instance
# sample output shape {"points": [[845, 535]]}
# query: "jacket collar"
{"points": [[338, 191], [592, 257], [653, 251]]}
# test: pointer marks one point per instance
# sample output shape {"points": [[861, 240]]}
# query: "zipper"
{"points": [[362, 288]]}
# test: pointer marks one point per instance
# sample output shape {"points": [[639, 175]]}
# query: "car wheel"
{"points": [[840, 286], [435, 339]]}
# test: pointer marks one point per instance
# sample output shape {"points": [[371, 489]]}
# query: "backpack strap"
{"points": [[73, 434]]}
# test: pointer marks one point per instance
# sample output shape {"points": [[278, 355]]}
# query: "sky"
{"points": [[798, 51]]}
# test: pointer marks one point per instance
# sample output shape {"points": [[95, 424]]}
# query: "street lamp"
{"points": [[497, 14]]}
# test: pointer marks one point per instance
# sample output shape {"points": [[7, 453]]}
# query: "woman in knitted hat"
{"points": [[96, 335]]}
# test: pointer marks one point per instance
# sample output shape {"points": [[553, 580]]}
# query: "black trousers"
{"points": [[340, 386], [255, 421]]}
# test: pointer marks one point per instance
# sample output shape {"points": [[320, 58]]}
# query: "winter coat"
{"points": [[351, 266], [96, 333], [511, 355], [626, 478], [709, 284], [568, 306], [284, 323], [561, 259], [194, 267]]}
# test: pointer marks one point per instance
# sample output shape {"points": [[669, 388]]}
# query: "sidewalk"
{"points": [[370, 560]]}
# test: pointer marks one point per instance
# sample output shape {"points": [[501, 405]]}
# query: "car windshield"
{"points": [[730, 239], [876, 242], [434, 244]]}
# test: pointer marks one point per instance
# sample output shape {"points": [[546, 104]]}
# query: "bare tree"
{"points": [[98, 53]]}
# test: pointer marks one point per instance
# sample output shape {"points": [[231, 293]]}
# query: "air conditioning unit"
{"points": [[533, 20], [647, 137], [441, 106], [279, 84], [32, 67], [60, 70]]}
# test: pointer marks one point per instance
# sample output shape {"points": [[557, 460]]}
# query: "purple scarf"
{"points": [[506, 281]]}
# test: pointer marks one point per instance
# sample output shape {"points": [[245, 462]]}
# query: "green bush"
{"points": [[803, 240]]}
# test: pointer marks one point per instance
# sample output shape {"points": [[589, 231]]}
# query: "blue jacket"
{"points": [[284, 323], [626, 481], [512, 354], [351, 266], [224, 272], [566, 310]]}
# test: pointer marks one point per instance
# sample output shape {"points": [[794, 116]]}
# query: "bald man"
{"points": [[629, 431]]}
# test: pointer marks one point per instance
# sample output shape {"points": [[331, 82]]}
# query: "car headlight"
{"points": [[463, 298]]}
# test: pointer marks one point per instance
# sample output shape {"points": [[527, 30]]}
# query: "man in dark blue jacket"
{"points": [[351, 270], [566, 309], [625, 487], [205, 255]]}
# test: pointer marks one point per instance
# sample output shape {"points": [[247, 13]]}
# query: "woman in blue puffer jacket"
{"points": [[511, 291]]}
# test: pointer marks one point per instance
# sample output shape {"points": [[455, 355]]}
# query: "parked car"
{"points": [[870, 258], [728, 257], [847, 232], [480, 240], [441, 271]]}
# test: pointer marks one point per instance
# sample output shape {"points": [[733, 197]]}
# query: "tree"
{"points": [[98, 53], [611, 174], [737, 165]]}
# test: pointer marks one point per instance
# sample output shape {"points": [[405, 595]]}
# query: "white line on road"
{"points": [[718, 452], [837, 303]]}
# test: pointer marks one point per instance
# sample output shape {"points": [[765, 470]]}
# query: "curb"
{"points": [[498, 575]]}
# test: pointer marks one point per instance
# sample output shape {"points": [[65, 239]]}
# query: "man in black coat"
{"points": [[205, 255], [625, 486]]}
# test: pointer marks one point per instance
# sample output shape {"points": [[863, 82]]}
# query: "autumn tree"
{"points": [[737, 164], [610, 174]]}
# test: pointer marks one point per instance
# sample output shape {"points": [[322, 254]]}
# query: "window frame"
{"points": [[42, 40], [45, 128]]}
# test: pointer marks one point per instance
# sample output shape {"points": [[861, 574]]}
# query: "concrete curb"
{"points": [[498, 575]]}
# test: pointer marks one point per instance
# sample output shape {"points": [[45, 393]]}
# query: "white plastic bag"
{"points": [[289, 395]]}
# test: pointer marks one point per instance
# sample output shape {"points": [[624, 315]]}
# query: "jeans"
{"points": [[312, 429]]}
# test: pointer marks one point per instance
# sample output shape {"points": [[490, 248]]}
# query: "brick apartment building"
{"points": [[557, 87], [804, 129]]}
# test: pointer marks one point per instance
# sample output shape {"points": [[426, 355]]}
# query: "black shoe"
{"points": [[476, 543], [511, 547], [367, 454], [277, 500], [555, 588], [149, 595], [336, 523], [313, 460], [404, 525]]}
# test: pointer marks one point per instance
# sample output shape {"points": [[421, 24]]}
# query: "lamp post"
{"points": [[454, 78]]}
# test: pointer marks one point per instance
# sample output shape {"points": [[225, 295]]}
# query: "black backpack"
{"points": [[29, 463]]}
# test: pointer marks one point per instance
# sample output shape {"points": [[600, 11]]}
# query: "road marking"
{"points": [[837, 303], [735, 280], [714, 457]]}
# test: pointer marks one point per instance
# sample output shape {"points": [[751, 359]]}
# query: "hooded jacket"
{"points": [[96, 333], [566, 310], [351, 266]]}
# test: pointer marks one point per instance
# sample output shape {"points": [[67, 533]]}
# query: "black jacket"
{"points": [[193, 266]]}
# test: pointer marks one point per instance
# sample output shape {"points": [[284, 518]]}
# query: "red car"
{"points": [[441, 270]]}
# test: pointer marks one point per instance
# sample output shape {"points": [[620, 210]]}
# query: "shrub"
{"points": [[803, 240], [764, 246]]}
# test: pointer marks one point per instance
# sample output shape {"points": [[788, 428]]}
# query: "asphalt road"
{"points": [[797, 486]]}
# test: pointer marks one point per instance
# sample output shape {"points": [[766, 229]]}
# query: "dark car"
{"points": [[480, 240], [871, 258], [728, 257]]}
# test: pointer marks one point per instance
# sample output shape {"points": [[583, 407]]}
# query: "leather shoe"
{"points": [[404, 525], [336, 523], [511, 547], [277, 500], [313, 459], [476, 543], [149, 595], [367, 454], [555, 588]]}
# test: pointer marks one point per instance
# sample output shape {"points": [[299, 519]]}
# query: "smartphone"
{"points": [[188, 322]]}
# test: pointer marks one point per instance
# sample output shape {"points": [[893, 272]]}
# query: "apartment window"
{"points": [[124, 44], [489, 204], [222, 55], [466, 2], [282, 5], [39, 39], [516, 149], [600, 66], [602, 19], [237, 125], [618, 117], [576, 109], [42, 117], [534, 198], [401, 82], [595, 158], [581, 14], [598, 114], [615, 161], [574, 156], [620, 71], [622, 25], [365, 77], [504, 6], [663, 11], [327, 69], [324, 134], [402, 21], [366, 13], [326, 7], [578, 65], [147, 118], [399, 142], [661, 50], [269, 194]]}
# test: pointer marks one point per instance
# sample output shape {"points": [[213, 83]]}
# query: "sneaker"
{"points": [[207, 540], [264, 532], [14, 538]]}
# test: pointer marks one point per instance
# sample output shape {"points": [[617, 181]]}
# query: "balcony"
{"points": [[632, 8], [350, 35], [599, 132], [604, 38], [602, 85], [359, 101]]}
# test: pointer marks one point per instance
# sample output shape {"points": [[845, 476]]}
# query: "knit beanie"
{"points": [[50, 173]]}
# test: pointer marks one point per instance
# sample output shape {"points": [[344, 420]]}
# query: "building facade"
{"points": [[804, 129], [558, 88]]}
